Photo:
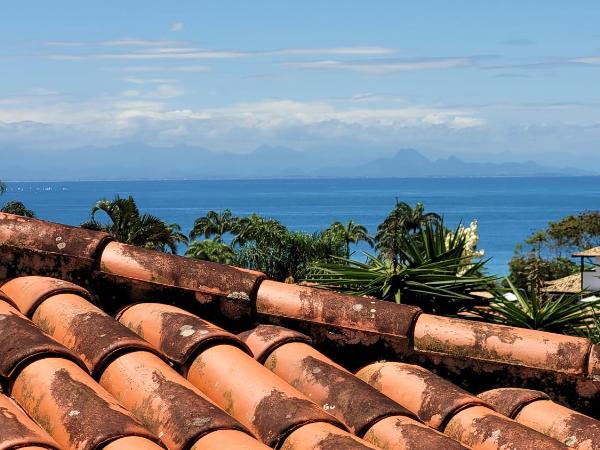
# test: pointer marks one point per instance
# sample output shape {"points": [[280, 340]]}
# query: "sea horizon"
{"points": [[508, 209]]}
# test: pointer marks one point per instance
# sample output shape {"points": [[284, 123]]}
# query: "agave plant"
{"points": [[565, 313], [431, 273]]}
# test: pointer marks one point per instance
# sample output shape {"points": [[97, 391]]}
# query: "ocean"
{"points": [[508, 210]]}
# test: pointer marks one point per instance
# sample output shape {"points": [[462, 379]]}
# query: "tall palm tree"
{"points": [[2, 187], [351, 233], [214, 224], [256, 228], [402, 220], [129, 226], [209, 250]]}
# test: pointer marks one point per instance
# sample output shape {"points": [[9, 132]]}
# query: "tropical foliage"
{"points": [[126, 224], [351, 233], [214, 225], [431, 271], [14, 207], [548, 250], [401, 221], [210, 250], [566, 313], [17, 208]]}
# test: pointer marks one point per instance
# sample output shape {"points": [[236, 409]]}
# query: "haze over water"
{"points": [[508, 209]]}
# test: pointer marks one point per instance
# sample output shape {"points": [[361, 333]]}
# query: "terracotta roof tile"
{"points": [[30, 292], [535, 410], [17, 430], [358, 314], [218, 396], [163, 400], [264, 339], [63, 311], [21, 342], [455, 412], [339, 392], [176, 333], [517, 346], [431, 398], [184, 273], [65, 400]]}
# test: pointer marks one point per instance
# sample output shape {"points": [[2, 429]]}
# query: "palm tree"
{"points": [[402, 220], [351, 233], [256, 228], [209, 250], [214, 224], [129, 226], [17, 208], [2, 187]]}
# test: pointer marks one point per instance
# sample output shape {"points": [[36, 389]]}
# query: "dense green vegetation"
{"points": [[14, 207], [417, 259], [429, 267], [547, 252], [126, 224]]}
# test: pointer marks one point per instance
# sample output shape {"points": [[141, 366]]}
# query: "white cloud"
{"points": [[134, 80], [587, 60], [179, 50], [146, 115], [385, 66], [177, 26], [137, 43], [163, 69], [351, 51], [63, 43]]}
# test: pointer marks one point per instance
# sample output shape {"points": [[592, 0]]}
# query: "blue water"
{"points": [[508, 209]]}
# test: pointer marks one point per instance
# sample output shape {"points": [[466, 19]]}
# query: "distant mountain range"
{"points": [[135, 161]]}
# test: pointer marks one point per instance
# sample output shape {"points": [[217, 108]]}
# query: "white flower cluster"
{"points": [[470, 251]]}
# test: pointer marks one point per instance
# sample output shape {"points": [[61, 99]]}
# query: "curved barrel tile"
{"points": [[186, 273], [535, 410], [330, 308], [17, 430], [34, 247], [228, 440], [29, 292], [510, 401], [263, 339], [323, 436], [6, 299], [365, 410], [76, 411], [176, 333], [21, 342], [481, 428], [163, 400], [133, 443], [433, 399], [259, 399], [87, 330], [501, 344], [403, 433], [337, 391]]}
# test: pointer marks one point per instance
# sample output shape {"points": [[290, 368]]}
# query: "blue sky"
{"points": [[496, 81]]}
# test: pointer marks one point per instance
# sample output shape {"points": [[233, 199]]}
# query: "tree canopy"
{"points": [[126, 224]]}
